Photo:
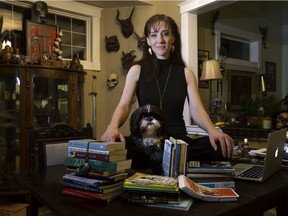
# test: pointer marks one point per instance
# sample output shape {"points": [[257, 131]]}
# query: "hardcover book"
{"points": [[205, 193], [184, 204], [97, 165], [111, 188], [174, 157], [91, 195], [216, 182], [100, 157], [71, 150], [96, 145], [210, 167]]}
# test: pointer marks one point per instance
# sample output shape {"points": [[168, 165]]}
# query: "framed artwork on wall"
{"points": [[40, 39], [203, 55], [242, 86]]}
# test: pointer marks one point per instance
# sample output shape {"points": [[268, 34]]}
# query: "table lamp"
{"points": [[211, 71]]}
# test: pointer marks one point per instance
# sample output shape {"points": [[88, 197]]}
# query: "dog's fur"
{"points": [[148, 131]]}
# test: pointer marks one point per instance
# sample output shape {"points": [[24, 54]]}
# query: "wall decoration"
{"points": [[39, 41], [40, 9], [141, 41], [112, 43], [270, 76], [128, 60], [112, 80], [242, 86], [203, 55], [127, 27]]}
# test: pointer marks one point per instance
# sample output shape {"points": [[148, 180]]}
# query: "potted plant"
{"points": [[261, 109]]}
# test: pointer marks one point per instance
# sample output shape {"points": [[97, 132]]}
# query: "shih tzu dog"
{"points": [[148, 132]]}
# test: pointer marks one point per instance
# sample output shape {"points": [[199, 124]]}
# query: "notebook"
{"points": [[272, 162]]}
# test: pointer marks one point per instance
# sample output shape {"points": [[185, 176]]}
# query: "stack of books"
{"points": [[151, 189], [98, 169], [214, 174]]}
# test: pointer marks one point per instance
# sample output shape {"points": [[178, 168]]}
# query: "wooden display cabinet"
{"points": [[34, 96]]}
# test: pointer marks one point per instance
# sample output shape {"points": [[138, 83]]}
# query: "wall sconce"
{"points": [[211, 71]]}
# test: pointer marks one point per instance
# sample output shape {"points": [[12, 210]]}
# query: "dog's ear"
{"points": [[134, 119]]}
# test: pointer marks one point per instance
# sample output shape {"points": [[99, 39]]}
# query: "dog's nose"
{"points": [[149, 118]]}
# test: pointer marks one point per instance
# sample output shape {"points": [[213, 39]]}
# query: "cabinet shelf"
{"points": [[35, 96]]}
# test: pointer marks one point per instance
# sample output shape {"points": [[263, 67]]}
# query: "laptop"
{"points": [[272, 161]]}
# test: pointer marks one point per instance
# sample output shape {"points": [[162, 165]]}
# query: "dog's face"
{"points": [[148, 122], [148, 132]]}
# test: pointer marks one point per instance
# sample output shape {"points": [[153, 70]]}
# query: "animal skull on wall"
{"points": [[112, 80], [127, 27]]}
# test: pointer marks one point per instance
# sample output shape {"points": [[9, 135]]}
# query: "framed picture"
{"points": [[203, 55], [242, 86], [270, 76], [40, 39]]}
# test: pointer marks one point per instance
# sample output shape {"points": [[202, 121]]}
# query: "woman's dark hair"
{"points": [[150, 61]]}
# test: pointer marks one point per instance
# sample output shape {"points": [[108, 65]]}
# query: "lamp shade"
{"points": [[211, 70]]}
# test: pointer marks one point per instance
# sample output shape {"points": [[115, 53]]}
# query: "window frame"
{"points": [[252, 39]]}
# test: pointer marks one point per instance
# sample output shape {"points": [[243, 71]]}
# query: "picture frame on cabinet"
{"points": [[203, 55], [242, 86], [40, 40]]}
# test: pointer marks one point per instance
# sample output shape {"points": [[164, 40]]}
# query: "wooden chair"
{"points": [[51, 146]]}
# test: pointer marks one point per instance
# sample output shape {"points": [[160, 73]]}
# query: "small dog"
{"points": [[148, 132]]}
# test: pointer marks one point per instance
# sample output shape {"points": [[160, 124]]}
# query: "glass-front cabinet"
{"points": [[35, 97]]}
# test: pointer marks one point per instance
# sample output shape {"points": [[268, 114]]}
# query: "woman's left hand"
{"points": [[226, 142]]}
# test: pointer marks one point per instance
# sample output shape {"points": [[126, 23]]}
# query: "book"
{"points": [[91, 195], [71, 150], [96, 144], [184, 204], [224, 182], [89, 181], [174, 157], [100, 157], [147, 181], [71, 184], [210, 167], [205, 193], [151, 196], [97, 165], [209, 175]]}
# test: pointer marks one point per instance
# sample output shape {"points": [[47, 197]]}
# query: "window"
{"points": [[81, 30], [74, 38], [241, 47]]}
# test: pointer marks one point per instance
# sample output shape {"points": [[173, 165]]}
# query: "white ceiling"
{"points": [[115, 3]]}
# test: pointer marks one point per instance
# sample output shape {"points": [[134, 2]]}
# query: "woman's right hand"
{"points": [[112, 134]]}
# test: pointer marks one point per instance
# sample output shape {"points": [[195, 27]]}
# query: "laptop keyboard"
{"points": [[254, 172]]}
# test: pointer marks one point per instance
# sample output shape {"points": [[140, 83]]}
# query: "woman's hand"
{"points": [[225, 141], [112, 134]]}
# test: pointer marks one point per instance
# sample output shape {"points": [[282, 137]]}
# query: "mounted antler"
{"points": [[126, 25]]}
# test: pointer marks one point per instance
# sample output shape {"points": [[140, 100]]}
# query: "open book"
{"points": [[205, 193]]}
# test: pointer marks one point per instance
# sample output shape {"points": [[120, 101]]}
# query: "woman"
{"points": [[161, 78]]}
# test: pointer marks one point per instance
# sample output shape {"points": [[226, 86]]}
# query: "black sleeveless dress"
{"points": [[173, 97]]}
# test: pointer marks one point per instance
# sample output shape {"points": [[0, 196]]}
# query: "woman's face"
{"points": [[161, 39]]}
